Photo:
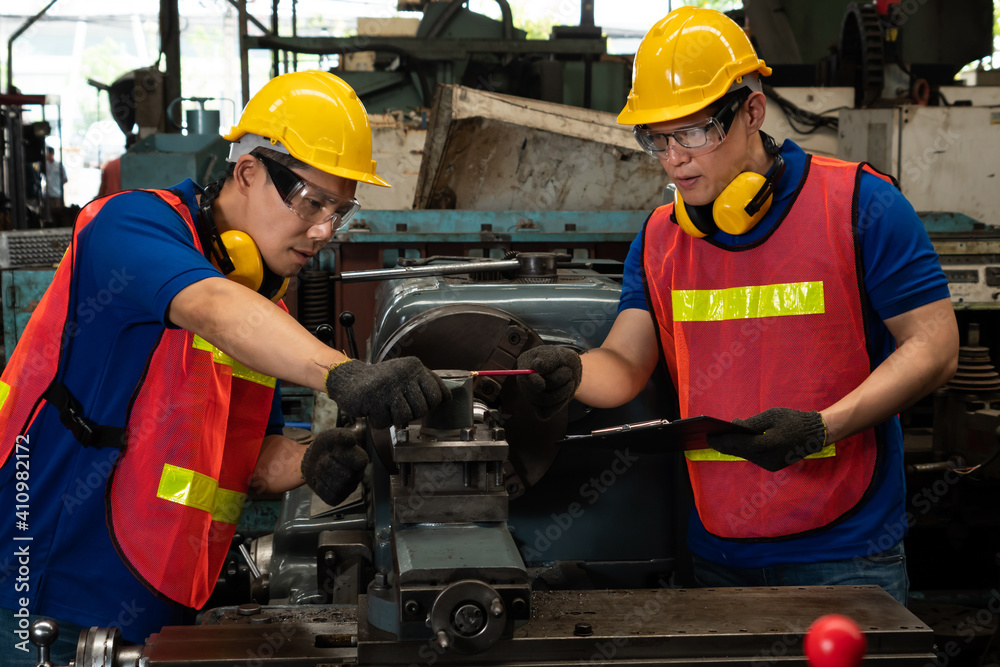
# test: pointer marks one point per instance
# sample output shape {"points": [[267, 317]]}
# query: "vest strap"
{"points": [[84, 430]]}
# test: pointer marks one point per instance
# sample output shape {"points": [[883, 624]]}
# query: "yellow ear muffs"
{"points": [[684, 220], [736, 210], [730, 206], [248, 266], [247, 262]]}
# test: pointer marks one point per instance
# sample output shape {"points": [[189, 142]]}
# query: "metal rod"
{"points": [[526, 371], [429, 270], [244, 53], [10, 44], [274, 28], [170, 47], [250, 17], [250, 562]]}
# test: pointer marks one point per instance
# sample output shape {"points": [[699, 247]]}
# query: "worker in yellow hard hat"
{"points": [[796, 295], [141, 403]]}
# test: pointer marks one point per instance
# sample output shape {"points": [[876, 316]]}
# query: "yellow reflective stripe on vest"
{"points": [[713, 455], [4, 393], [239, 370], [736, 303], [193, 489]]}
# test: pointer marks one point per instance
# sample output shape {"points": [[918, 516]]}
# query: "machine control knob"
{"points": [[43, 633], [496, 607], [464, 613]]}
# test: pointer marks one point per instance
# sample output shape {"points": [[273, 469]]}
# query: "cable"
{"points": [[802, 121], [972, 469]]}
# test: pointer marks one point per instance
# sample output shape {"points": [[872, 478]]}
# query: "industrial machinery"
{"points": [[453, 45], [482, 537], [22, 160]]}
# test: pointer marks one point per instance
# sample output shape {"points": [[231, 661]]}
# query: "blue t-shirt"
{"points": [[901, 272], [134, 257]]}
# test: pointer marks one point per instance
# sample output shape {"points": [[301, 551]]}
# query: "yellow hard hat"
{"points": [[685, 62], [318, 118]]}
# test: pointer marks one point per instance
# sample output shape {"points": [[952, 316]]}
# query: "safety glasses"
{"points": [[696, 139], [310, 202]]}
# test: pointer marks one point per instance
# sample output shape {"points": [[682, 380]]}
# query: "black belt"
{"points": [[84, 430]]}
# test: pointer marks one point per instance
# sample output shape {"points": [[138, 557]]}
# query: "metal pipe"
{"points": [[250, 17], [274, 28], [431, 270], [244, 53], [170, 46], [10, 44]]}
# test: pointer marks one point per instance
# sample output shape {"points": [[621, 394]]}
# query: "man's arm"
{"points": [[252, 330], [926, 357], [278, 466], [616, 372]]}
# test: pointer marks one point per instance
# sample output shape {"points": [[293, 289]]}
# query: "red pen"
{"points": [[526, 371]]}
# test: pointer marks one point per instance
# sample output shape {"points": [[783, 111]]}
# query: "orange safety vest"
{"points": [[192, 435], [780, 322]]}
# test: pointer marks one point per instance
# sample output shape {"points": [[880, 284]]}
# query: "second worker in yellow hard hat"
{"points": [[794, 294]]}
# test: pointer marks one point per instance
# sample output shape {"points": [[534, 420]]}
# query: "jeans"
{"points": [[886, 569], [11, 655]]}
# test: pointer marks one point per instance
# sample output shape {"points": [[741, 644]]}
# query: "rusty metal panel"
{"points": [[492, 152]]}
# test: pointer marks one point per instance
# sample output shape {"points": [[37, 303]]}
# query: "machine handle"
{"points": [[347, 321], [43, 633]]}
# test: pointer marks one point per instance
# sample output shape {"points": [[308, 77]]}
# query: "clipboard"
{"points": [[657, 435]]}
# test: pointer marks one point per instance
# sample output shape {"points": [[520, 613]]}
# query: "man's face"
{"points": [[287, 241], [700, 178]]}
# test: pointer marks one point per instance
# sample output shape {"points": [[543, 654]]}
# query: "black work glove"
{"points": [[556, 378], [390, 392], [334, 464], [786, 436]]}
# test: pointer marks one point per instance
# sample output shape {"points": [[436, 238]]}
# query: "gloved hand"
{"points": [[334, 464], [786, 436], [387, 393], [557, 375]]}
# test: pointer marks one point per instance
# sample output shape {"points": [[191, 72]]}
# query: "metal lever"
{"points": [[254, 570], [259, 582], [43, 633], [325, 333], [347, 321]]}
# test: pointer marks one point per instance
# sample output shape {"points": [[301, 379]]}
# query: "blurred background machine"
{"points": [[481, 537], [397, 63]]}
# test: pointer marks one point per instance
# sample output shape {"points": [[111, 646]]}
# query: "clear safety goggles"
{"points": [[696, 139], [306, 200]]}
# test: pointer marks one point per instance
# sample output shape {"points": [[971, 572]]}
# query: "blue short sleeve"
{"points": [[633, 291], [140, 252], [901, 269]]}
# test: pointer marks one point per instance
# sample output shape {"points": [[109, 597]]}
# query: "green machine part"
{"points": [[454, 45], [164, 160]]}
